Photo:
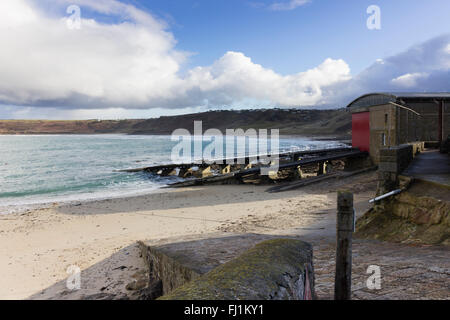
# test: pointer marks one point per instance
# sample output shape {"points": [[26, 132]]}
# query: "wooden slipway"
{"points": [[292, 166]]}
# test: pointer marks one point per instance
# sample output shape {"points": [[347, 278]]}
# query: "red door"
{"points": [[361, 131]]}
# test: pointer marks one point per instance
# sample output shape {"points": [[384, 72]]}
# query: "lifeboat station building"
{"points": [[384, 120]]}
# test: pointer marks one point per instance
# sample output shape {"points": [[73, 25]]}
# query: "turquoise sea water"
{"points": [[37, 169]]}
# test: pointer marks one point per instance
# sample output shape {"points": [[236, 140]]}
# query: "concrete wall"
{"points": [[278, 269]]}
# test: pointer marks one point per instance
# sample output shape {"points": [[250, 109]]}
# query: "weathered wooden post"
{"points": [[322, 168], [344, 230]]}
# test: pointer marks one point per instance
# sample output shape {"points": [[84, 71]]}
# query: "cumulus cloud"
{"points": [[409, 80], [235, 77], [423, 67], [43, 62], [131, 64]]}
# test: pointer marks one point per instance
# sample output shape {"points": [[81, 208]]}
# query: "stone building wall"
{"points": [[382, 129], [393, 126], [423, 127], [392, 161]]}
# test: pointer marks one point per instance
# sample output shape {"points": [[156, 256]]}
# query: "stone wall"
{"points": [[383, 120], [423, 127], [391, 125], [278, 269], [392, 161]]}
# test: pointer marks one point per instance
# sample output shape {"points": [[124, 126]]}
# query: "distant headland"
{"points": [[334, 123]]}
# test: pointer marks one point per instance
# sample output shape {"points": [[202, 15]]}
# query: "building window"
{"points": [[385, 118], [383, 139]]}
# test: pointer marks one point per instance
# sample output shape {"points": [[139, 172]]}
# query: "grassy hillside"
{"points": [[66, 127], [336, 123]]}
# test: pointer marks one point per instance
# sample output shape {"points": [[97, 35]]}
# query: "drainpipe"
{"points": [[386, 195]]}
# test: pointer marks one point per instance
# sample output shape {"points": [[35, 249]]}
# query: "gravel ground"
{"points": [[408, 272]]}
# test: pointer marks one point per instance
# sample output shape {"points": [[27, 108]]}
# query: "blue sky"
{"points": [[299, 39], [147, 58]]}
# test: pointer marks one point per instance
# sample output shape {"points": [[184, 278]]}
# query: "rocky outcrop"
{"points": [[408, 217]]}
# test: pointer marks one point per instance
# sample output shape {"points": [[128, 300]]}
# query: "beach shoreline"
{"points": [[38, 246], [74, 200], [74, 168]]}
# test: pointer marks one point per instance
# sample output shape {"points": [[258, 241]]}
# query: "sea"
{"points": [[37, 170]]}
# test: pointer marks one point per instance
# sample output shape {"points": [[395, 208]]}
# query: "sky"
{"points": [[111, 59]]}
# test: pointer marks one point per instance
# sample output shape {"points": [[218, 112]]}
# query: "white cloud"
{"points": [[288, 5], [43, 62], [423, 67], [409, 80], [235, 77], [132, 64], [447, 49]]}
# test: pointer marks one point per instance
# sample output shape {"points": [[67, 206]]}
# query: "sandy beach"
{"points": [[99, 236]]}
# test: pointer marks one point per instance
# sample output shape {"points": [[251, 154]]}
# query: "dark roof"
{"points": [[373, 99]]}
